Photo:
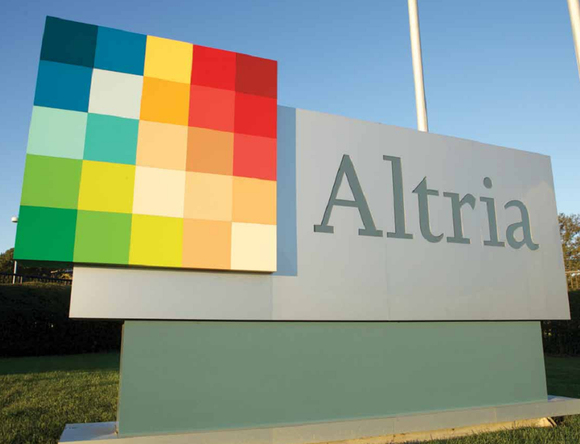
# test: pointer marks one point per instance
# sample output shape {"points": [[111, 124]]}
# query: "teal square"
{"points": [[57, 133], [63, 86], [45, 234], [69, 42], [111, 139], [120, 51]]}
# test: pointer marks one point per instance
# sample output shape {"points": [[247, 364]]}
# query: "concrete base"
{"points": [[393, 429], [186, 377]]}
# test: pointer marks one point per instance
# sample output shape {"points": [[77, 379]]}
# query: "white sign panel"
{"points": [[376, 223]]}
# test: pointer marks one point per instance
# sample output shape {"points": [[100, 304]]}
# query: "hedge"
{"points": [[563, 337], [34, 321]]}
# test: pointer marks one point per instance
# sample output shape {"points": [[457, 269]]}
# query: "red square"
{"points": [[213, 67], [255, 115], [212, 108], [256, 76], [254, 157]]}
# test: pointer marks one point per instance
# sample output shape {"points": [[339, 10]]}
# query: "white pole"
{"points": [[418, 66], [574, 8], [15, 270]]}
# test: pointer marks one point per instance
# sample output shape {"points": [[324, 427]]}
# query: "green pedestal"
{"points": [[192, 376]]}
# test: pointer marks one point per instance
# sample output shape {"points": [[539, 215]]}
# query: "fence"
{"points": [[563, 337], [573, 280], [10, 278]]}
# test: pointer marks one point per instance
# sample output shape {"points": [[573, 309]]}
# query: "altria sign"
{"points": [[374, 223], [423, 192]]}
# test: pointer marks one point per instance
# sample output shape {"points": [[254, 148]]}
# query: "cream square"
{"points": [[116, 94], [159, 192], [253, 247]]}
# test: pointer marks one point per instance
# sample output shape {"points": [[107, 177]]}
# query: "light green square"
{"points": [[102, 238], [51, 182], [57, 132]]}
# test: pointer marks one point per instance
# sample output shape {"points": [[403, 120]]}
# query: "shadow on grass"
{"points": [[70, 363]]}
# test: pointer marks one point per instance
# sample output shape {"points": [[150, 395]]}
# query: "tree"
{"points": [[570, 235], [7, 261], [7, 266]]}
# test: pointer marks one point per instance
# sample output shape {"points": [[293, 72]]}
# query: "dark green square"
{"points": [[102, 238], [69, 42], [45, 234]]}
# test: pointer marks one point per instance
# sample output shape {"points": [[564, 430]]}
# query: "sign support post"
{"points": [[574, 8], [422, 123]]}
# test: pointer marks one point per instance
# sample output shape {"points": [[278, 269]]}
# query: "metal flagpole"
{"points": [[574, 8], [418, 66]]}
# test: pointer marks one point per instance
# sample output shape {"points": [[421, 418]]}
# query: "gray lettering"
{"points": [[346, 168], [491, 218], [524, 225], [398, 200], [423, 194], [492, 221], [456, 205]]}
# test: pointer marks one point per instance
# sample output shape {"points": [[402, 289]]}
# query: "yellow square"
{"points": [[208, 196], [107, 187], [156, 241], [253, 247], [168, 59]]}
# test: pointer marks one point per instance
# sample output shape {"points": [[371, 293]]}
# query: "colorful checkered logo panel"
{"points": [[151, 152]]}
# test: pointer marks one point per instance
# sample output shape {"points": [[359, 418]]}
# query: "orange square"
{"points": [[207, 244], [210, 151], [162, 145], [208, 196], [254, 201], [212, 108], [164, 101]]}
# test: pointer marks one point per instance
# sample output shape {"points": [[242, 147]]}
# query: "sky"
{"points": [[499, 72]]}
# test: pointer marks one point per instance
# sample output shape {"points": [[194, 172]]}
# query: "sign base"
{"points": [[185, 377], [418, 427]]}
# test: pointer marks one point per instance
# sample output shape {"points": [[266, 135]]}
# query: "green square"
{"points": [[51, 182], [102, 238], [111, 139], [45, 234], [57, 132]]}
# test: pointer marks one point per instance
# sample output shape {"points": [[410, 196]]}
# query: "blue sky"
{"points": [[500, 72]]}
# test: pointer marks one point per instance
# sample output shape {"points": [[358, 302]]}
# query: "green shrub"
{"points": [[563, 337], [34, 321]]}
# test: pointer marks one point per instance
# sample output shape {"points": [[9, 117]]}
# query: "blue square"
{"points": [[120, 51], [63, 86]]}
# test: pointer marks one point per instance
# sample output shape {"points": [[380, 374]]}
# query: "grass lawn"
{"points": [[38, 396]]}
